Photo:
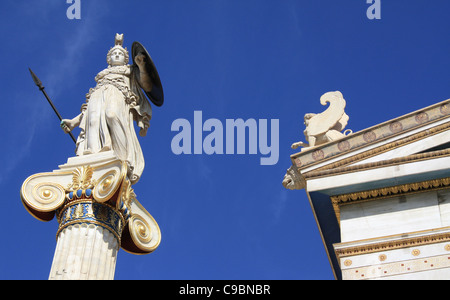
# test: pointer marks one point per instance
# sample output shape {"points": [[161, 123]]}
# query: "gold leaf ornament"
{"points": [[82, 178], [46, 197], [106, 186]]}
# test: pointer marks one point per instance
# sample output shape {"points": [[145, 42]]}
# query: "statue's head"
{"points": [[308, 117], [117, 55]]}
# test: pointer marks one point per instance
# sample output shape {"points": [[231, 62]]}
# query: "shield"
{"points": [[156, 95]]}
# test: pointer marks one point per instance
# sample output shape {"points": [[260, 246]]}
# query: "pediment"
{"points": [[424, 131]]}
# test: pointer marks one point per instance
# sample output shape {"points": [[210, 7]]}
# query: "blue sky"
{"points": [[221, 216]]}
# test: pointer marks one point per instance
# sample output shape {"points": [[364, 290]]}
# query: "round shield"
{"points": [[156, 95]]}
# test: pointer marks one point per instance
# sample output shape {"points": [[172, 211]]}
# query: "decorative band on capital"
{"points": [[87, 211]]}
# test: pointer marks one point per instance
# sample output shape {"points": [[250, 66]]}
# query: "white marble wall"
{"points": [[390, 216], [418, 224]]}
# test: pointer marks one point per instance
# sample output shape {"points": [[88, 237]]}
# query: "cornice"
{"points": [[384, 163], [393, 242]]}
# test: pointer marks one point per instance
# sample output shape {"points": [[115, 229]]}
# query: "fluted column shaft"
{"points": [[88, 238], [85, 251]]}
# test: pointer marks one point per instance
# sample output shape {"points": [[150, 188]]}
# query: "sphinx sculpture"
{"points": [[320, 129], [326, 126]]}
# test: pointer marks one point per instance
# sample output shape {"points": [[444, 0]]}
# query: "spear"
{"points": [[42, 88]]}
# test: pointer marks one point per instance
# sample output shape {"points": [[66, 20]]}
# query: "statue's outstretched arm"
{"points": [[68, 125]]}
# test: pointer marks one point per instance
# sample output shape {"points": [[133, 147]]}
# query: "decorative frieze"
{"points": [[386, 192], [87, 211], [398, 268], [397, 255]]}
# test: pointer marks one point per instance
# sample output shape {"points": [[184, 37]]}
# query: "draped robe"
{"points": [[108, 119]]}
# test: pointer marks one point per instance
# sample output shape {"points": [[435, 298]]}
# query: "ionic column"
{"points": [[97, 211]]}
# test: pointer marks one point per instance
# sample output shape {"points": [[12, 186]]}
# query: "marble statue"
{"points": [[114, 104], [326, 126], [91, 195]]}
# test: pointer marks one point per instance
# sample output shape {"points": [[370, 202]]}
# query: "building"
{"points": [[381, 196]]}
